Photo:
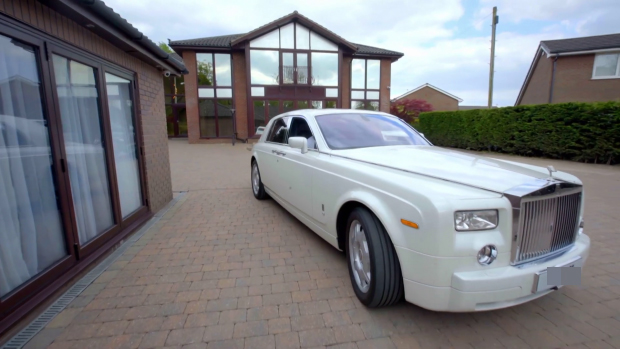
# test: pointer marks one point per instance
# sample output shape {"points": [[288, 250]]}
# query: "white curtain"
{"points": [[84, 145], [31, 234], [124, 139]]}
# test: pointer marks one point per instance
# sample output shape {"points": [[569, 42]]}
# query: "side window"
{"points": [[300, 128], [278, 131]]}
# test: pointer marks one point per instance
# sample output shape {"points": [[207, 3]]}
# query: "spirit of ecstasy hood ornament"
{"points": [[551, 169]]}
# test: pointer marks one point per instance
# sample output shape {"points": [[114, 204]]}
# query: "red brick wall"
{"points": [[151, 94], [574, 83], [346, 82], [240, 93], [537, 89], [438, 100], [191, 97], [384, 93]]}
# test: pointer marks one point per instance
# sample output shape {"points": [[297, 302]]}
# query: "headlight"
{"points": [[475, 220]]}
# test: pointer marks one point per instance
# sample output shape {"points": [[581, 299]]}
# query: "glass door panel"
{"points": [[181, 118], [78, 100], [259, 114], [302, 68], [208, 122], [125, 143], [170, 121], [288, 68], [288, 106], [31, 231], [224, 118], [302, 104], [274, 108]]}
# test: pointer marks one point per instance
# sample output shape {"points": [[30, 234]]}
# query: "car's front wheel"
{"points": [[373, 264], [257, 185]]}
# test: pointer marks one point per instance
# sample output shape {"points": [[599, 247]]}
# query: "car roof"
{"points": [[312, 113]]}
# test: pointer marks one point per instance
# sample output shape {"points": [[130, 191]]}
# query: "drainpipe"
{"points": [[553, 78]]}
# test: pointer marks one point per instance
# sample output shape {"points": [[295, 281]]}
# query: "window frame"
{"points": [[365, 90], [606, 77], [271, 128], [215, 97], [31, 293]]}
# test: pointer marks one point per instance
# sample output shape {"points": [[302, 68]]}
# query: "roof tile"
{"points": [[587, 43]]}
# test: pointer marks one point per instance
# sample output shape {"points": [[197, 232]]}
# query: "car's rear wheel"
{"points": [[257, 185], [373, 264]]}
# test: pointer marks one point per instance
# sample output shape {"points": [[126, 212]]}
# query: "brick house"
{"points": [[438, 98], [237, 82], [83, 146], [574, 70]]}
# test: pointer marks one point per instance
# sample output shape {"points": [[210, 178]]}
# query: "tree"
{"points": [[410, 109], [162, 45], [205, 73]]}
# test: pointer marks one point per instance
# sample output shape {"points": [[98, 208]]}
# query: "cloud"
{"points": [[445, 41]]}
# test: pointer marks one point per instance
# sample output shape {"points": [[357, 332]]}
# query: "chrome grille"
{"points": [[546, 226]]}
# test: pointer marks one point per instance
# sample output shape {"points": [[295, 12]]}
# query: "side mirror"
{"points": [[299, 143], [260, 130]]}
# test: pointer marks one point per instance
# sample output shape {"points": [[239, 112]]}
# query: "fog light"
{"points": [[487, 255]]}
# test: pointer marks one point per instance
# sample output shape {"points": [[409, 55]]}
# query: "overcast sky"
{"points": [[446, 42]]}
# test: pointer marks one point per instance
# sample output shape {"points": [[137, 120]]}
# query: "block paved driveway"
{"points": [[223, 270]]}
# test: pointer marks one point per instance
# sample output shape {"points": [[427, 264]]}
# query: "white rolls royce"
{"points": [[446, 230]]}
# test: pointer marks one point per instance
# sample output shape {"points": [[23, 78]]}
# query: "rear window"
{"points": [[347, 131]]}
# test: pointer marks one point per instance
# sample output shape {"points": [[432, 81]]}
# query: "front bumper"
{"points": [[483, 289]]}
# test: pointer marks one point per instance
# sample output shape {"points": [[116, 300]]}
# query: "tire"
{"points": [[257, 184], [386, 280]]}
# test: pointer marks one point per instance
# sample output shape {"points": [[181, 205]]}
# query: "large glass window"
{"points": [[125, 143], [215, 104], [324, 69], [78, 98], [606, 66], [264, 66], [31, 232], [204, 65], [365, 83]]}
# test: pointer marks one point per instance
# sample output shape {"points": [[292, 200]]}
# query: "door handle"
{"points": [[277, 152]]}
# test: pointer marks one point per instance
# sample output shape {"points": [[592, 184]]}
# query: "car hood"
{"points": [[464, 168]]}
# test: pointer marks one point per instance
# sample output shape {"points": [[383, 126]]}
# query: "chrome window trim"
{"points": [[532, 191]]}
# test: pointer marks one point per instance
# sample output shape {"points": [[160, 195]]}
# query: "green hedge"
{"points": [[588, 132]]}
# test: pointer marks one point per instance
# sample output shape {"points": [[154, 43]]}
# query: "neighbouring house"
{"points": [[83, 146], [574, 70], [438, 98], [237, 82]]}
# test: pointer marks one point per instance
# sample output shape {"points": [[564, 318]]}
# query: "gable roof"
{"points": [[229, 41], [298, 17], [588, 43], [430, 86]]}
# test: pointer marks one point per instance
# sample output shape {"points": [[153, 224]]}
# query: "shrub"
{"points": [[409, 109], [588, 132]]}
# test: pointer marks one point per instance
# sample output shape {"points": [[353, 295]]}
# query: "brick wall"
{"points": [[384, 93], [191, 97], [151, 94], [240, 93], [346, 82], [574, 83], [438, 100], [537, 89]]}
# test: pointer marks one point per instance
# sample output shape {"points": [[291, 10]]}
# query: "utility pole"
{"points": [[492, 65]]}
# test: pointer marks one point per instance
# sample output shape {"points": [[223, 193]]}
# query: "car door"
{"points": [[298, 169], [269, 160]]}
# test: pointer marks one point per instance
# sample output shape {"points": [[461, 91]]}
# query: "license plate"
{"points": [[568, 273]]}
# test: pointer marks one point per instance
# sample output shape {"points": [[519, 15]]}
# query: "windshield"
{"points": [[346, 131]]}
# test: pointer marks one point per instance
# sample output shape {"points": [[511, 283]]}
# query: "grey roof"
{"points": [[587, 43], [211, 41], [370, 50], [223, 41]]}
